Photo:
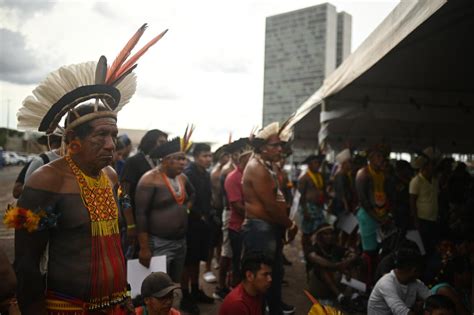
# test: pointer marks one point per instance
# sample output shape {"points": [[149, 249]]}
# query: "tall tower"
{"points": [[302, 48]]}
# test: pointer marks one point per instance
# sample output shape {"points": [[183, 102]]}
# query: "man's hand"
{"points": [[291, 233], [144, 256]]}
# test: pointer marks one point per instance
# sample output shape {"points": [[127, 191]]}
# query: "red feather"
{"points": [[140, 53], [112, 72]]}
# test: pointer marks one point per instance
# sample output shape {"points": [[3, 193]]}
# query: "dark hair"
{"points": [[124, 139], [438, 302], [83, 130], [200, 148], [406, 258], [149, 140], [252, 262]]}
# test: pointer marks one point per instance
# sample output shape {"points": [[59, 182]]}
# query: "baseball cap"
{"points": [[157, 284]]}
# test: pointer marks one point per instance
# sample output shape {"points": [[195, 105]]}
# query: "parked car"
{"points": [[13, 158]]}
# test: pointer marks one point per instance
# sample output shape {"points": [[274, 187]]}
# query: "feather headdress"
{"points": [[176, 145], [71, 85]]}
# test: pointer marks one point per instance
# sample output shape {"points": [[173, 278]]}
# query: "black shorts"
{"points": [[197, 240]]}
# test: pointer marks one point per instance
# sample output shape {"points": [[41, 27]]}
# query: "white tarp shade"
{"points": [[410, 84]]}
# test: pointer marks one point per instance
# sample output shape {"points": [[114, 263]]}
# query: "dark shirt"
{"points": [[158, 213], [201, 181], [401, 203], [134, 168]]}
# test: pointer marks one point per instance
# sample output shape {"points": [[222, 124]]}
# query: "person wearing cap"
{"points": [[247, 297], [327, 262], [373, 195], [266, 219], [68, 208], [424, 190], [163, 196], [313, 197], [157, 292]]}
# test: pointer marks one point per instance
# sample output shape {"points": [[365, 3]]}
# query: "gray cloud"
{"points": [[27, 7], [17, 63]]}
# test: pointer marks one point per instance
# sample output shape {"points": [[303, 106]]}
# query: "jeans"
{"points": [[175, 252], [236, 244], [261, 236]]}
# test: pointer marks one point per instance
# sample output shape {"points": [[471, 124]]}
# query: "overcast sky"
{"points": [[207, 70]]}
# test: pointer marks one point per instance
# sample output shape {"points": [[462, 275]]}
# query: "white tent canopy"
{"points": [[410, 84]]}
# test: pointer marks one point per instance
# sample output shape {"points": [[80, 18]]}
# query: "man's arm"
{"points": [[414, 190], [30, 246], [302, 187], [393, 301], [363, 191], [143, 201], [260, 182], [35, 164]]}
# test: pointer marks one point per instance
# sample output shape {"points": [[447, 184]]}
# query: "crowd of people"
{"points": [[377, 236]]}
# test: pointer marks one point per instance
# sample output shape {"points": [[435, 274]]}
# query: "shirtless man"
{"points": [[81, 230], [372, 192], [225, 260], [265, 209], [162, 198], [312, 189]]}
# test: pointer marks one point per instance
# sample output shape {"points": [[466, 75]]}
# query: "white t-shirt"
{"points": [[391, 297]]}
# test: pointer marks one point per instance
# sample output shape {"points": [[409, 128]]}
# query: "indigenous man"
{"points": [[312, 189], [265, 210], [226, 254], [133, 169], [235, 197], [162, 199], [68, 205], [198, 235], [247, 297], [223, 157], [372, 192]]}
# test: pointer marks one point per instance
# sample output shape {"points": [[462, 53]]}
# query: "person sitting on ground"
{"points": [[247, 297], [157, 292], [398, 291], [439, 305], [327, 259], [456, 284]]}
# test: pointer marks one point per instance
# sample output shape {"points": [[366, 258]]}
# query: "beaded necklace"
{"points": [[99, 200], [178, 198]]}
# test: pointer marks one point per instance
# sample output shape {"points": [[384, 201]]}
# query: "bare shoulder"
{"points": [[49, 177], [150, 178], [361, 174], [255, 171], [111, 174]]}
